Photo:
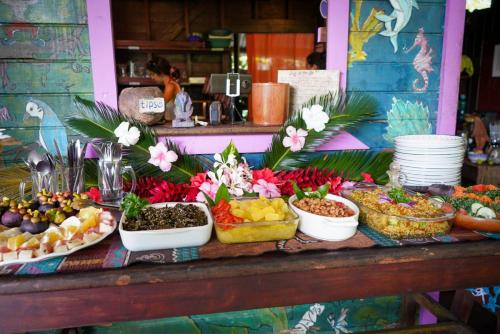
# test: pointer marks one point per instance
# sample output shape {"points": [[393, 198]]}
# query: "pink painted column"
{"points": [[337, 39], [102, 51], [454, 23]]}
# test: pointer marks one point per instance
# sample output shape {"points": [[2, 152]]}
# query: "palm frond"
{"points": [[344, 113], [350, 164], [98, 120], [10, 177]]}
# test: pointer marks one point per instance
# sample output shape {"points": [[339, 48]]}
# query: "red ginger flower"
{"points": [[308, 178], [168, 192], [264, 174]]}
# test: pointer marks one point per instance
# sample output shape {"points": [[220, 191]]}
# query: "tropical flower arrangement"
{"points": [[166, 173]]}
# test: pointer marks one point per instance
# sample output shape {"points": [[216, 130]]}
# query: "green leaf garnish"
{"points": [[132, 205], [222, 193], [321, 192], [398, 195]]}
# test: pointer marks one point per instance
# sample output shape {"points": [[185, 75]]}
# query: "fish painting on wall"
{"points": [[401, 14], [360, 35]]}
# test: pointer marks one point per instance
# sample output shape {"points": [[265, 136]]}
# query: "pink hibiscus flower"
{"points": [[162, 157], [296, 138], [266, 189]]}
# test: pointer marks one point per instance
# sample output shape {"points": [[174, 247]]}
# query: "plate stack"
{"points": [[430, 159]]}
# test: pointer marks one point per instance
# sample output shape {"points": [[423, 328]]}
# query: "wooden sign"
{"points": [[152, 105], [305, 84]]}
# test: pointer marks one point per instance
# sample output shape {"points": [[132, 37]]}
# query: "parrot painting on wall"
{"points": [[51, 127]]}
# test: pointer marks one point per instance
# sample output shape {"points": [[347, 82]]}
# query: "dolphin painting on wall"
{"points": [[401, 14]]}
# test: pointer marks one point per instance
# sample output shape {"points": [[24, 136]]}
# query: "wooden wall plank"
{"points": [[43, 11], [406, 39], [430, 16], [45, 77], [375, 77], [44, 41]]}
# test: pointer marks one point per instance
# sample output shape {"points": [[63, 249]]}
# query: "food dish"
{"points": [[416, 216], [168, 238], [279, 224], [324, 227], [478, 207], [71, 236]]}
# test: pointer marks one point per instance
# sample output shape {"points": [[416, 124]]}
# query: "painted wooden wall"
{"points": [[386, 73], [44, 56]]}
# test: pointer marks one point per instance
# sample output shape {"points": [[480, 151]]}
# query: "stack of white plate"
{"points": [[430, 159]]}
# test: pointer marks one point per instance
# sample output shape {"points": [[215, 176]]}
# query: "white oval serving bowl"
{"points": [[327, 228], [168, 238]]}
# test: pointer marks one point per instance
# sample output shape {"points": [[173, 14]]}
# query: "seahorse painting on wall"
{"points": [[422, 61], [359, 36], [401, 15]]}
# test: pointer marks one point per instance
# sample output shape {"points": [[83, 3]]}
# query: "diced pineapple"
{"points": [[267, 210], [32, 243], [88, 212], [272, 217], [92, 221], [52, 235], [257, 215], [15, 242], [90, 237], [239, 213]]}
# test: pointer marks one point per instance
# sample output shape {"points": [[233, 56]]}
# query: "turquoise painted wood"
{"points": [[358, 316], [384, 99], [406, 40], [44, 64], [43, 11], [386, 74], [44, 42], [45, 77]]}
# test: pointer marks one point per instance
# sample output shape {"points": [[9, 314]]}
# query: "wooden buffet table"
{"points": [[149, 291]]}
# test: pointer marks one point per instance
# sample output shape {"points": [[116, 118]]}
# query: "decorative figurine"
{"points": [[183, 111], [395, 176]]}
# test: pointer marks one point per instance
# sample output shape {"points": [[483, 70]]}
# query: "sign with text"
{"points": [[305, 84], [152, 105]]}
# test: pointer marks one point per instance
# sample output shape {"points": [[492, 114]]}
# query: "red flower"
{"points": [[308, 178], [264, 174], [94, 194], [367, 178], [198, 179], [168, 192]]}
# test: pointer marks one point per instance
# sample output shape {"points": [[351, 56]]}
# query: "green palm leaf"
{"points": [[96, 120], [344, 113], [350, 164]]}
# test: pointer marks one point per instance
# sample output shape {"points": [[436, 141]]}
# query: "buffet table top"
{"points": [[149, 290]]}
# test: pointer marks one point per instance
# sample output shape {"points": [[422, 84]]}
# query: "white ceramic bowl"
{"points": [[327, 228], [168, 238]]}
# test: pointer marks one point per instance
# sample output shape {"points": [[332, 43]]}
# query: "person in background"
{"points": [[317, 59], [161, 72]]}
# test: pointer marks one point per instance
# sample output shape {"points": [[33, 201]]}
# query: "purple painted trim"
{"points": [[255, 143], [426, 317], [454, 23], [337, 45], [105, 88], [102, 51]]}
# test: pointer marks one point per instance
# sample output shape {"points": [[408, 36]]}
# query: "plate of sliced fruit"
{"points": [[30, 232]]}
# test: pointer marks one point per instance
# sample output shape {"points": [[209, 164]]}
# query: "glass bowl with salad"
{"points": [[399, 213], [478, 206]]}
